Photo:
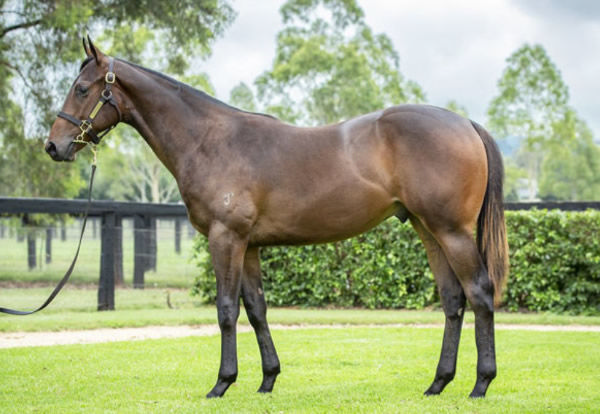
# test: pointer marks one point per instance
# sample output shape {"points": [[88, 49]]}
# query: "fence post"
{"points": [[177, 235], [31, 258], [48, 245], [21, 231], [94, 228], [151, 246], [118, 247], [139, 251], [106, 288], [63, 230]]}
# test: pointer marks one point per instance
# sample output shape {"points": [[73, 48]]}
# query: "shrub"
{"points": [[554, 255], [555, 261]]}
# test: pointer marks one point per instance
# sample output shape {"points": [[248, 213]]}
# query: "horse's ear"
{"points": [[86, 49], [94, 52]]}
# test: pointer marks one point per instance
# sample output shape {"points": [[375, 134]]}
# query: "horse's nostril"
{"points": [[51, 149]]}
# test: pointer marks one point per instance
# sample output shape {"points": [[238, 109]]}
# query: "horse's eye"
{"points": [[81, 90]]}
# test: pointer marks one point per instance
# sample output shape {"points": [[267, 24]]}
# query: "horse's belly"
{"points": [[337, 216]]}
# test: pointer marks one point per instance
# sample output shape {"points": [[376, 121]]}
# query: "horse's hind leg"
{"points": [[256, 308], [464, 258], [453, 302]]}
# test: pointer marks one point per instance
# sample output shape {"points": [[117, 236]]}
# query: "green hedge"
{"points": [[554, 256]]}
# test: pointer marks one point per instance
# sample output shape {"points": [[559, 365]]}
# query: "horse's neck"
{"points": [[170, 117]]}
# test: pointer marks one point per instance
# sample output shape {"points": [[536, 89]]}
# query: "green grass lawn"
{"points": [[75, 308], [355, 370]]}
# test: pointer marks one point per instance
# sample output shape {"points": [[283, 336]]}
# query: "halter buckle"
{"points": [[85, 127], [110, 77], [108, 94]]}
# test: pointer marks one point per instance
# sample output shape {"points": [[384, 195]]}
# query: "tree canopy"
{"points": [[557, 153], [40, 49], [330, 66], [532, 96]]}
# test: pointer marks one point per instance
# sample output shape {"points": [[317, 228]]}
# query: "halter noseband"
{"points": [[85, 125]]}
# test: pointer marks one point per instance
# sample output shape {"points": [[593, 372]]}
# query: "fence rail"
{"points": [[144, 217], [111, 213], [554, 205], [21, 205]]}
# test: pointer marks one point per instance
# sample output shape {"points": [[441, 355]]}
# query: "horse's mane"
{"points": [[188, 88], [85, 62]]}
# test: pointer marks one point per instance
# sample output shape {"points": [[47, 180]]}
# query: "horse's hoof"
{"points": [[268, 382], [219, 389], [436, 387], [477, 394]]}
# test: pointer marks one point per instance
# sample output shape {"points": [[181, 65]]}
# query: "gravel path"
{"points": [[25, 339]]}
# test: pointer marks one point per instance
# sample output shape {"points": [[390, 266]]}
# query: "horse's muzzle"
{"points": [[55, 153]]}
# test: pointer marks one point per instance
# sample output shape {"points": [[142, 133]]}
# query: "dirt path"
{"points": [[24, 339]]}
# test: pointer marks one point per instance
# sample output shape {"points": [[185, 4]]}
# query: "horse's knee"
{"points": [[228, 315]]}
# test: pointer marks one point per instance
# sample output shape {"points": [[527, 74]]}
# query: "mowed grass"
{"points": [[354, 370], [75, 308]]}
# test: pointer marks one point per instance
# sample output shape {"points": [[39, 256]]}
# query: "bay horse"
{"points": [[249, 180]]}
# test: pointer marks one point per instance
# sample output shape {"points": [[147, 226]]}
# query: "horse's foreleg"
{"points": [[462, 253], [227, 250], [453, 302], [256, 308]]}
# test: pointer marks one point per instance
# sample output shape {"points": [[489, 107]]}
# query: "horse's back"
{"points": [[334, 182]]}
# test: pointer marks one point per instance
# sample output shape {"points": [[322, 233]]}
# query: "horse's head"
{"points": [[84, 118]]}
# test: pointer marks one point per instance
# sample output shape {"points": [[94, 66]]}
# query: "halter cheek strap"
{"points": [[85, 125]]}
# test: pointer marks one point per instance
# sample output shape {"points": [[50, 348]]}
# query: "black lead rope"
{"points": [[65, 278]]}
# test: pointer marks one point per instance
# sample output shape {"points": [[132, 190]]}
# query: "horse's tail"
{"points": [[491, 228]]}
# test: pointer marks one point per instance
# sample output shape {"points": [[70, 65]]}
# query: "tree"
{"points": [[455, 107], [532, 96], [241, 96], [330, 66], [131, 171], [532, 100], [40, 50], [571, 166]]}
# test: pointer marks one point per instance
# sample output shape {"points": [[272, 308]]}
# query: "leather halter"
{"points": [[85, 125]]}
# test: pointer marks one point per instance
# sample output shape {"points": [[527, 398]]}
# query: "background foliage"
{"points": [[554, 256], [554, 155], [40, 51], [329, 65]]}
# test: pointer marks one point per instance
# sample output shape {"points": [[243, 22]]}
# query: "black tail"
{"points": [[491, 228]]}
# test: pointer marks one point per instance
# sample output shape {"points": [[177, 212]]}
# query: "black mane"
{"points": [[85, 62], [181, 85]]}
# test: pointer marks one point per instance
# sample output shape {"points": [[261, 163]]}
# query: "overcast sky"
{"points": [[453, 49]]}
